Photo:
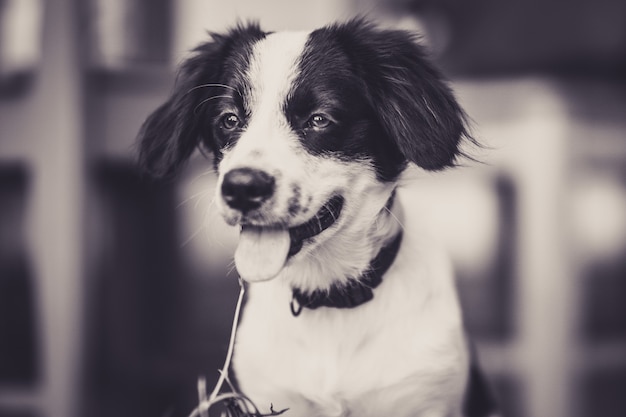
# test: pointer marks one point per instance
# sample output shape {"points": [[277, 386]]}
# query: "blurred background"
{"points": [[115, 293]]}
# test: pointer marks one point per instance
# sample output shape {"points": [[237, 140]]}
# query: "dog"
{"points": [[351, 310]]}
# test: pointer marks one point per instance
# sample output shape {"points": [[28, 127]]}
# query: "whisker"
{"points": [[203, 151], [209, 171], [395, 218], [212, 85], [211, 216], [196, 195], [195, 110], [333, 215], [203, 224], [193, 236], [211, 204], [231, 268], [319, 221]]}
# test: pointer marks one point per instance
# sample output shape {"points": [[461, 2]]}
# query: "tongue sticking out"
{"points": [[261, 252]]}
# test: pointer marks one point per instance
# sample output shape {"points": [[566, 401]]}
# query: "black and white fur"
{"points": [[310, 115]]}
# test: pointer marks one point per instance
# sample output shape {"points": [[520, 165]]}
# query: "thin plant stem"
{"points": [[231, 345]]}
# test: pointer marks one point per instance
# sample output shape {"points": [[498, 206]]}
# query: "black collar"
{"points": [[356, 291]]}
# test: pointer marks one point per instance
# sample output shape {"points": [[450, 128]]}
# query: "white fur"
{"points": [[401, 354]]}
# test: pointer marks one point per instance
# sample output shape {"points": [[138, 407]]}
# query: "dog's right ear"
{"points": [[172, 132]]}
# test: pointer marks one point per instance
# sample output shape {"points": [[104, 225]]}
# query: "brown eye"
{"points": [[230, 121], [318, 121]]}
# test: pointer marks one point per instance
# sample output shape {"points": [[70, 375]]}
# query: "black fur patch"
{"points": [[170, 134], [387, 102]]}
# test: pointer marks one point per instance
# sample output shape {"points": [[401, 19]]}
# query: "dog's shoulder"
{"points": [[423, 263]]}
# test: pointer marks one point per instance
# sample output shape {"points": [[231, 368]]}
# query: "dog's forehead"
{"points": [[273, 66]]}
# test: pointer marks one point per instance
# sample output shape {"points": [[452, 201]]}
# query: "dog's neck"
{"points": [[354, 293], [346, 256]]}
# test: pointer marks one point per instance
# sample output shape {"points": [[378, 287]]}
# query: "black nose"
{"points": [[246, 189]]}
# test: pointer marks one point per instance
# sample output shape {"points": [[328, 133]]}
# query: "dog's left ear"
{"points": [[415, 107]]}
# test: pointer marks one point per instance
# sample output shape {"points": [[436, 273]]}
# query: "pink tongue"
{"points": [[261, 252]]}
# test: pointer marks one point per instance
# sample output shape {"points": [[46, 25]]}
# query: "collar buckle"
{"points": [[295, 306]]}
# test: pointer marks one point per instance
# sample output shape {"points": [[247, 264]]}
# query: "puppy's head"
{"points": [[309, 131]]}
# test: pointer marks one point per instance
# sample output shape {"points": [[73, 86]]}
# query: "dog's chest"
{"points": [[331, 362]]}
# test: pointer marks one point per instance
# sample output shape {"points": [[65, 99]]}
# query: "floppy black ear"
{"points": [[171, 133], [415, 107]]}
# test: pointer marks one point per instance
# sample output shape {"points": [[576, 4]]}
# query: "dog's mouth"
{"points": [[263, 250], [323, 219]]}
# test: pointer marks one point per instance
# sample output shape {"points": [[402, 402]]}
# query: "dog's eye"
{"points": [[229, 121], [318, 121]]}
